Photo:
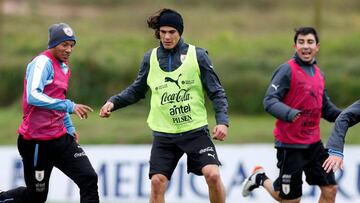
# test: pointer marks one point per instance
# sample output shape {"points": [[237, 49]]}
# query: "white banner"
{"points": [[123, 175]]}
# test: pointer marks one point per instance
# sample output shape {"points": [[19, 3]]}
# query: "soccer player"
{"points": [[297, 98], [47, 137], [178, 75]]}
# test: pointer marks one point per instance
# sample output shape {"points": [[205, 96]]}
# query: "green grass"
{"points": [[246, 41], [128, 126]]}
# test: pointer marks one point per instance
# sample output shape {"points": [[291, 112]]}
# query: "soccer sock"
{"points": [[260, 179]]}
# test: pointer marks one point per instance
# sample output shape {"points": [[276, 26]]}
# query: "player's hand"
{"points": [[220, 132], [82, 110], [76, 137], [333, 163], [105, 110], [296, 117]]}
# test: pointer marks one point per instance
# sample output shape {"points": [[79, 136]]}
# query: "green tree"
{"points": [[1, 26]]}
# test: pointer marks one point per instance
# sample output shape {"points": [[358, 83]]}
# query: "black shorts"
{"points": [[293, 162], [166, 152], [64, 153]]}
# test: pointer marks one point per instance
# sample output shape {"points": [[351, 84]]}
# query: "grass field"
{"points": [[244, 48], [128, 126]]}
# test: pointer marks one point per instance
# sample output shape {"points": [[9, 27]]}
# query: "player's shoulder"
{"points": [[201, 51], [147, 55], [41, 61], [283, 68]]}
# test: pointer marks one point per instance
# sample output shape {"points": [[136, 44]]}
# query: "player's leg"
{"points": [[255, 180], [203, 160], [73, 162], [291, 162], [316, 175], [16, 195], [159, 183], [216, 187], [288, 186], [328, 194], [163, 160], [37, 168]]}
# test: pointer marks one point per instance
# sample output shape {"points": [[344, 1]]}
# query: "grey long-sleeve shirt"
{"points": [[349, 117], [170, 60], [278, 88]]}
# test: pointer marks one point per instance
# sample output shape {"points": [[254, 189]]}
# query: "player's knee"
{"points": [[212, 178], [158, 182], [329, 192], [87, 180], [92, 177]]}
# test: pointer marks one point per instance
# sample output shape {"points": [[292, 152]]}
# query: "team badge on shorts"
{"points": [[39, 175], [285, 186]]}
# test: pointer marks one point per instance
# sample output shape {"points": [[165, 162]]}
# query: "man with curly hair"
{"points": [[177, 75]]}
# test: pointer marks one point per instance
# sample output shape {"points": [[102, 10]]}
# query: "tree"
{"points": [[1, 25], [317, 14]]}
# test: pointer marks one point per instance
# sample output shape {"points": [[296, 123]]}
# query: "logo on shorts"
{"points": [[207, 149], [81, 154], [212, 155], [286, 188], [39, 175], [40, 187], [286, 178]]}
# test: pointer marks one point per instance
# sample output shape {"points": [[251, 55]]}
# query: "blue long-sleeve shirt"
{"points": [[349, 117], [170, 60], [40, 73]]}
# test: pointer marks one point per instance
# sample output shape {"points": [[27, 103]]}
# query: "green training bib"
{"points": [[177, 97]]}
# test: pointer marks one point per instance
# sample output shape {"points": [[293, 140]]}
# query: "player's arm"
{"points": [[70, 129], [276, 91], [39, 74], [136, 91], [215, 93], [349, 117]]}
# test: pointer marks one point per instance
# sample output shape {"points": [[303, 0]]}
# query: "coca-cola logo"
{"points": [[180, 96]]}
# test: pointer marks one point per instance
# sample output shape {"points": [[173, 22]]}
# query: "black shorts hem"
{"points": [[159, 172], [289, 197], [198, 172]]}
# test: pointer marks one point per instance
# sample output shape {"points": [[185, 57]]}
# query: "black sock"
{"points": [[260, 179]]}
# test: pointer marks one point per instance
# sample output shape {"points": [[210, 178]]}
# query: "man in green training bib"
{"points": [[178, 74]]}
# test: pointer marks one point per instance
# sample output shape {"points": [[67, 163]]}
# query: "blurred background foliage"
{"points": [[246, 40]]}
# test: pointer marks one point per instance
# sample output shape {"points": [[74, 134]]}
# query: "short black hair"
{"points": [[306, 31]]}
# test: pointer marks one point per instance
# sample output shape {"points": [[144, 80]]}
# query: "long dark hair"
{"points": [[153, 20]]}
